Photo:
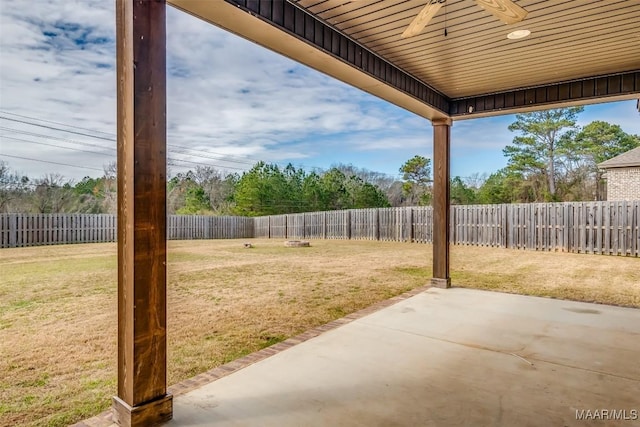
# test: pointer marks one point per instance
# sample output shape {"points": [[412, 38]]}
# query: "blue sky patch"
{"points": [[69, 35], [227, 95]]}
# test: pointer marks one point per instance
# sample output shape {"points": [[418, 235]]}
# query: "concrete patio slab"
{"points": [[442, 358]]}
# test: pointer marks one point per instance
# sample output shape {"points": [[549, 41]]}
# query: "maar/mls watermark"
{"points": [[607, 414]]}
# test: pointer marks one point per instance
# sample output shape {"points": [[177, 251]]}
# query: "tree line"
{"points": [[549, 159], [265, 189]]}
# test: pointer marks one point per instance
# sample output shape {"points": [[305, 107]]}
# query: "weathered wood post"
{"points": [[304, 226], [441, 203], [142, 337], [13, 230], [324, 225]]}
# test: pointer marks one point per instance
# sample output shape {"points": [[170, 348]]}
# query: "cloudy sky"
{"points": [[230, 102]]}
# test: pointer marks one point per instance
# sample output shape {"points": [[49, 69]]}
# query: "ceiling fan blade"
{"points": [[505, 10], [422, 19]]}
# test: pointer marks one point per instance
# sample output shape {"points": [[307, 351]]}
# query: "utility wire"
{"points": [[57, 146], [57, 138], [18, 131], [57, 123], [47, 161], [54, 128], [227, 158], [173, 148], [170, 160], [245, 160]]}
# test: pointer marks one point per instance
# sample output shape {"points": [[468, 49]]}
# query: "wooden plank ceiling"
{"points": [[569, 40], [578, 52]]}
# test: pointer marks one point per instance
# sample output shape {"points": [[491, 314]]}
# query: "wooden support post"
{"points": [[142, 398], [411, 235], [441, 203]]}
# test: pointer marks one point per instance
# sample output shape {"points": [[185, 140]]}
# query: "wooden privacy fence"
{"points": [[190, 227], [582, 227], [389, 224], [17, 230]]}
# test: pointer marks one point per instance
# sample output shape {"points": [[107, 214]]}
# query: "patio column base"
{"points": [[441, 283], [152, 413]]}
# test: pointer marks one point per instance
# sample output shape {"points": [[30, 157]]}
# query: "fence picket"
{"points": [[609, 228]]}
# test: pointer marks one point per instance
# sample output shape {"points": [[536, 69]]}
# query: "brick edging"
{"points": [[104, 419]]}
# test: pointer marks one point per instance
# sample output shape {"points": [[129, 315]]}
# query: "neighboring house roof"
{"points": [[627, 159]]}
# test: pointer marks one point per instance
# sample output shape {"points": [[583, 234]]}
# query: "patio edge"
{"points": [[104, 419]]}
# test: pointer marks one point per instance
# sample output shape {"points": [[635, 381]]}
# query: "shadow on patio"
{"points": [[441, 357]]}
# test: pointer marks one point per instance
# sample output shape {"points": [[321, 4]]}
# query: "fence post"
{"points": [[324, 226], [304, 226], [411, 233], [452, 224], [568, 232], [505, 225], [13, 230], [594, 227]]}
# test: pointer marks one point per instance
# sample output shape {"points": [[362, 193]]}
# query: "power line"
{"points": [[246, 160], [170, 160], [56, 146], [18, 131], [173, 148], [56, 123], [54, 128], [102, 147], [227, 158], [47, 161], [71, 141]]}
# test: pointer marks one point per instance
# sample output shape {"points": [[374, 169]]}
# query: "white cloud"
{"points": [[225, 95], [229, 99]]}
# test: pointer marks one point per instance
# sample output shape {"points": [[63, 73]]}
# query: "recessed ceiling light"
{"points": [[518, 34]]}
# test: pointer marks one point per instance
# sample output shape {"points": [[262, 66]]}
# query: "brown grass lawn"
{"points": [[58, 305]]}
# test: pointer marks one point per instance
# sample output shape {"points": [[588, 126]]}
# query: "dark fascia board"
{"points": [[362, 68], [611, 87], [299, 23], [296, 21]]}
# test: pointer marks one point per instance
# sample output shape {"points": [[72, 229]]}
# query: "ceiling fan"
{"points": [[505, 10]]}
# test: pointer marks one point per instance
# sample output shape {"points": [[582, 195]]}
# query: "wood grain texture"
{"points": [[141, 78], [470, 60], [153, 413], [124, 78], [482, 225], [422, 18], [441, 202], [505, 10]]}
